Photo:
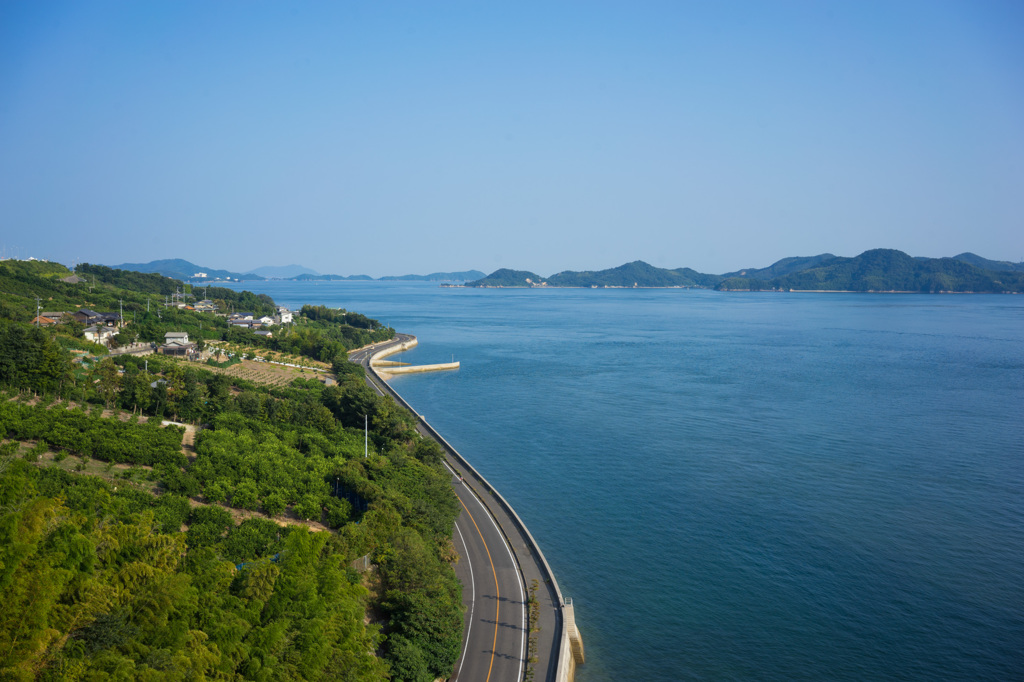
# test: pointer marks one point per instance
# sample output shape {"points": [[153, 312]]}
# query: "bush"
{"points": [[244, 495], [171, 511], [253, 539], [274, 504]]}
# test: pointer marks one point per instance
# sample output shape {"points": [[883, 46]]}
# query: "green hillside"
{"points": [[184, 270], [126, 555], [507, 278], [784, 267], [887, 270], [986, 264], [637, 273]]}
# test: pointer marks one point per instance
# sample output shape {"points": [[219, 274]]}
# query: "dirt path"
{"points": [[188, 439], [240, 515]]}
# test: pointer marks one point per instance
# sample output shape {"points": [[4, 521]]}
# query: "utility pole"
{"points": [[120, 319], [366, 436], [37, 311]]}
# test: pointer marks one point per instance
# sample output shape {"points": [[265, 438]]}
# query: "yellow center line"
{"points": [[497, 590]]}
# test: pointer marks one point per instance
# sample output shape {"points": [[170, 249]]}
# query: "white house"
{"points": [[284, 315], [176, 337], [98, 334]]}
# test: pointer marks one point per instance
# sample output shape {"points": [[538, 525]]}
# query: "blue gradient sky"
{"points": [[410, 137]]}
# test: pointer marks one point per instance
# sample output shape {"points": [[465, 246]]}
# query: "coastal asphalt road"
{"points": [[494, 560]]}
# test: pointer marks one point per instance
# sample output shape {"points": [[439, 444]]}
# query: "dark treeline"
{"points": [[107, 581], [130, 280]]}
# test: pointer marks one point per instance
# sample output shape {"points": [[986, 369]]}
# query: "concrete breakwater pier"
{"points": [[379, 364], [518, 625]]}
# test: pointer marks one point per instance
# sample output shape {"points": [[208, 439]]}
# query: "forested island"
{"points": [[878, 270], [164, 519]]}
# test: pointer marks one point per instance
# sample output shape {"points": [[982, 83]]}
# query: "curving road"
{"points": [[495, 560]]}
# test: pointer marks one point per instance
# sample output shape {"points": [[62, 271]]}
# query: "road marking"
{"points": [[497, 590], [472, 603], [519, 583]]}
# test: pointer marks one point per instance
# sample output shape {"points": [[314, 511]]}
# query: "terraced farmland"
{"points": [[266, 373]]}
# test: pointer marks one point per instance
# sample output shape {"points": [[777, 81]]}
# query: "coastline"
{"points": [[556, 618]]}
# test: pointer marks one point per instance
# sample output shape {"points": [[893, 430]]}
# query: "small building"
{"points": [[264, 333], [99, 334], [241, 316], [57, 317], [86, 316], [111, 319], [176, 337], [266, 319], [91, 317], [178, 348], [284, 316], [240, 323], [43, 321]]}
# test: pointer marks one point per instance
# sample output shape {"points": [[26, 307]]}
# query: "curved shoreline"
{"points": [[562, 660]]}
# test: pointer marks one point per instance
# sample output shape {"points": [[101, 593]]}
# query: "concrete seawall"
{"points": [[378, 364], [411, 369], [570, 649]]}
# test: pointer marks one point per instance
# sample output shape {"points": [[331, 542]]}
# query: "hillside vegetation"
{"points": [[877, 270], [102, 579], [507, 278], [887, 270], [176, 268]]}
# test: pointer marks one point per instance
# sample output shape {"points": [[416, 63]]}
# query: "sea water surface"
{"points": [[744, 486]]}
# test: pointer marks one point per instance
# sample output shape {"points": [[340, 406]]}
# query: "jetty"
{"points": [[379, 364]]}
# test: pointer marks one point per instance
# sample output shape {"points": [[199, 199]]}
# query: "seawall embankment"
{"points": [[532, 564], [379, 364]]}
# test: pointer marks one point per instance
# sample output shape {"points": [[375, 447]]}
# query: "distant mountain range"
{"points": [[464, 276], [187, 271], [875, 270], [177, 268], [282, 271], [986, 264]]}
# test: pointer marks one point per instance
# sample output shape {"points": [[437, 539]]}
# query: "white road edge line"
{"points": [[519, 582], [472, 603]]}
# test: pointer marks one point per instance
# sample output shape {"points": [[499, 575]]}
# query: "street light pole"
{"points": [[366, 435]]}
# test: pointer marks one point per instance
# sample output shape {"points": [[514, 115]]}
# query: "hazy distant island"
{"points": [[186, 271], [464, 276], [878, 270]]}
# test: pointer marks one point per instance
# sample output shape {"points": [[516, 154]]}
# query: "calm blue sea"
{"points": [[744, 486]]}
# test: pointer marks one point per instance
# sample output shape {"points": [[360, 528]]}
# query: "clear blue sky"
{"points": [[411, 137]]}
